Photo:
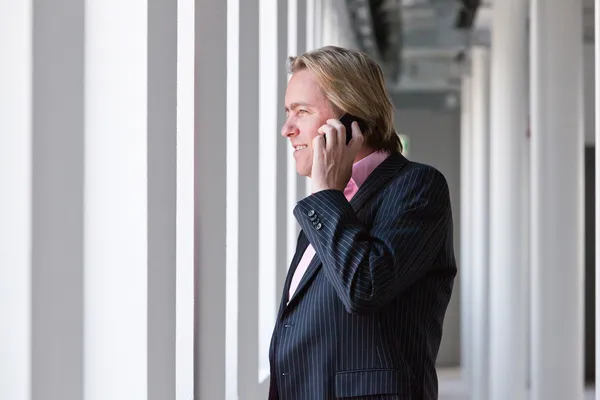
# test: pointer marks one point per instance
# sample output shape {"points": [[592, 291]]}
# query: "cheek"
{"points": [[309, 130]]}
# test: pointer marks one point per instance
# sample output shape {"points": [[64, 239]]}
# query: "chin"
{"points": [[303, 171]]}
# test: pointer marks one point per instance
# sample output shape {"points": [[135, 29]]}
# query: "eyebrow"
{"points": [[293, 106]]}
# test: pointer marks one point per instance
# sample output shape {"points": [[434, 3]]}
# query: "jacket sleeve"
{"points": [[369, 266]]}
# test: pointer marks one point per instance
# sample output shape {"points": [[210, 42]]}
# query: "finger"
{"points": [[340, 128], [318, 144], [331, 135], [357, 137]]}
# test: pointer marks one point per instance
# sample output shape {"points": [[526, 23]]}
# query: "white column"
{"points": [[185, 275], [318, 23], [16, 27], [272, 186], [557, 201], [466, 264], [231, 150], [330, 28], [296, 185], [335, 21], [130, 176], [215, 274], [508, 123], [313, 40], [283, 152], [116, 225], [480, 260]]}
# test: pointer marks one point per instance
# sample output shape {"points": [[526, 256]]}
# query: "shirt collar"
{"points": [[364, 167]]}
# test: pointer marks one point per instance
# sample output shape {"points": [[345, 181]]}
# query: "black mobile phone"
{"points": [[347, 120]]}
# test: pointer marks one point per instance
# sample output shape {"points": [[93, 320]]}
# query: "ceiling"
{"points": [[420, 42], [436, 34]]}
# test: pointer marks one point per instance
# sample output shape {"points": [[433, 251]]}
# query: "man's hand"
{"points": [[332, 158]]}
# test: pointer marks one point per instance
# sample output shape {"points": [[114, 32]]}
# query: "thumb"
{"points": [[357, 138]]}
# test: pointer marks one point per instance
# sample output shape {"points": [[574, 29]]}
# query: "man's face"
{"points": [[307, 110]]}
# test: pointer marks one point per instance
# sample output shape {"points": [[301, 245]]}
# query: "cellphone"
{"points": [[347, 120]]}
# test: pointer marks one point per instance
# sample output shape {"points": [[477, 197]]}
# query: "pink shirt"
{"points": [[360, 171]]}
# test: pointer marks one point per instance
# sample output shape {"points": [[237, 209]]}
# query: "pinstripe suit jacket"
{"points": [[366, 318]]}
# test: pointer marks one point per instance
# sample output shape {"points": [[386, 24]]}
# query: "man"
{"points": [[364, 301]]}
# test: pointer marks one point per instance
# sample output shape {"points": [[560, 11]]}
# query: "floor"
{"points": [[452, 388]]}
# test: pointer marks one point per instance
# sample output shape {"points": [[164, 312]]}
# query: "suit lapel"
{"points": [[372, 185]]}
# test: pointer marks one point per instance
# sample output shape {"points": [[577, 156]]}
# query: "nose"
{"points": [[288, 129]]}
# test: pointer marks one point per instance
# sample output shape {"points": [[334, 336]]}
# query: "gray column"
{"points": [[161, 170], [557, 202], [466, 265], [57, 218], [480, 260], [243, 148], [41, 176], [211, 186], [507, 272]]}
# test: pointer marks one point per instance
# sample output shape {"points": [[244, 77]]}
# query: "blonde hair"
{"points": [[354, 84]]}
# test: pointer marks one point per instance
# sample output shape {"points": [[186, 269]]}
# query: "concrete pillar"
{"points": [[557, 199], [508, 332], [466, 265], [480, 260]]}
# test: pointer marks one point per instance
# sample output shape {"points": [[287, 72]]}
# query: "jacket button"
{"points": [[311, 213], [318, 226]]}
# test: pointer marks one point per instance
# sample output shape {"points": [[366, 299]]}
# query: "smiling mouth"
{"points": [[301, 147]]}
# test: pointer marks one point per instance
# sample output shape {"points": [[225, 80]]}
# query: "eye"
{"points": [[301, 111]]}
